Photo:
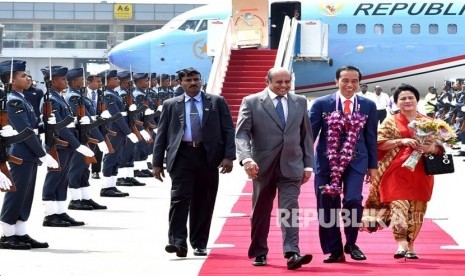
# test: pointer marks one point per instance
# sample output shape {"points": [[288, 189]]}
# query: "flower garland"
{"points": [[340, 154]]}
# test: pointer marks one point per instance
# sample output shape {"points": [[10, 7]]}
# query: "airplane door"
{"points": [[278, 12], [250, 23]]}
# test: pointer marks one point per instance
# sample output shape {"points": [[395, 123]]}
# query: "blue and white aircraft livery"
{"points": [[421, 43]]}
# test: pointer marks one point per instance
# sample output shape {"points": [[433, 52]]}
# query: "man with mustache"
{"points": [[197, 133]]}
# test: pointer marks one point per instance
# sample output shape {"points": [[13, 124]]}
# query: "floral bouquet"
{"points": [[426, 130], [341, 149]]}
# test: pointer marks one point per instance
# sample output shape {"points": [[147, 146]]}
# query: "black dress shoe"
{"points": [[33, 243], [124, 193], [400, 254], [148, 172], [94, 204], [79, 205], [67, 218], [134, 181], [149, 165], [95, 175], [335, 258], [200, 252], [295, 261], [139, 173], [355, 252], [123, 182], [411, 255], [259, 260], [111, 192], [55, 221], [460, 153], [180, 251], [12, 242]]}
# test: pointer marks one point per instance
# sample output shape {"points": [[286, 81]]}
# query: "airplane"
{"points": [[392, 42]]}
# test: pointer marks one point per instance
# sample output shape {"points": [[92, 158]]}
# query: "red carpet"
{"points": [[379, 248]]}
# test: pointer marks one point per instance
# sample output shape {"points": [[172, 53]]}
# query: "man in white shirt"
{"points": [[382, 102], [365, 93]]}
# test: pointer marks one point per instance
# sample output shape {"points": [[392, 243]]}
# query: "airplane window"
{"points": [[396, 28], [203, 26], [379, 29], [452, 29], [415, 28], [433, 28], [360, 29], [342, 28], [189, 25]]}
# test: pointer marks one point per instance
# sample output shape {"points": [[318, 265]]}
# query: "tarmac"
{"points": [[129, 238]]}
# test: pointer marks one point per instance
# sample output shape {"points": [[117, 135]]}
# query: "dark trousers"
{"points": [[97, 166], [17, 205], [111, 160], [128, 154], [382, 113], [328, 211], [78, 172], [193, 193], [56, 182], [264, 192]]}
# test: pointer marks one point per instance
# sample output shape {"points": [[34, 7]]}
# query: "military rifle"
{"points": [[132, 119], [101, 106], [5, 142], [83, 129]]}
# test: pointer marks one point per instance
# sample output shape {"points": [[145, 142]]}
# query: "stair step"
{"points": [[233, 101], [249, 79], [251, 62], [248, 68], [258, 85], [246, 74]]}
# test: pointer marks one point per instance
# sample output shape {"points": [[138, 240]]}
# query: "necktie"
{"points": [[196, 128], [94, 98], [347, 104], [280, 111]]}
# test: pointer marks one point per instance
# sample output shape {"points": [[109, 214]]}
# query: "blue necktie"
{"points": [[280, 111], [196, 128], [94, 99]]}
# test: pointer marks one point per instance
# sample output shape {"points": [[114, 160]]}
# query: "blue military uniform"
{"points": [[55, 188], [17, 205], [111, 160], [143, 149], [79, 171]]}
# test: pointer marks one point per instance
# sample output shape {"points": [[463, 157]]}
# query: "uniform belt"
{"points": [[192, 144]]}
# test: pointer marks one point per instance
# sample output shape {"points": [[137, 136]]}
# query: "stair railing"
{"points": [[221, 61], [285, 54]]}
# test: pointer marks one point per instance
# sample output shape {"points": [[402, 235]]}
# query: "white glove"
{"points": [[149, 111], [85, 120], [84, 150], [71, 125], [155, 130], [49, 161], [52, 120], [463, 108], [105, 114], [5, 182], [132, 107], [133, 138], [160, 108], [145, 135], [102, 146], [8, 131]]}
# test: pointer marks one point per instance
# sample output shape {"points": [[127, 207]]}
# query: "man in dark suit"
{"points": [[362, 162], [197, 133], [275, 145]]}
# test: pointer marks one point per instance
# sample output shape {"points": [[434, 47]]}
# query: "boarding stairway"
{"points": [[245, 75]]}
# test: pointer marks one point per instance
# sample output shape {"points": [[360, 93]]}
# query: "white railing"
{"points": [[283, 42], [285, 54], [220, 61]]}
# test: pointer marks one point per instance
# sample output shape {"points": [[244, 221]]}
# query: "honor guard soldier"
{"points": [[79, 172], [126, 160], [444, 102], [121, 127], [141, 83], [164, 90], [94, 84], [17, 205], [177, 88], [460, 115], [56, 182], [34, 95]]}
